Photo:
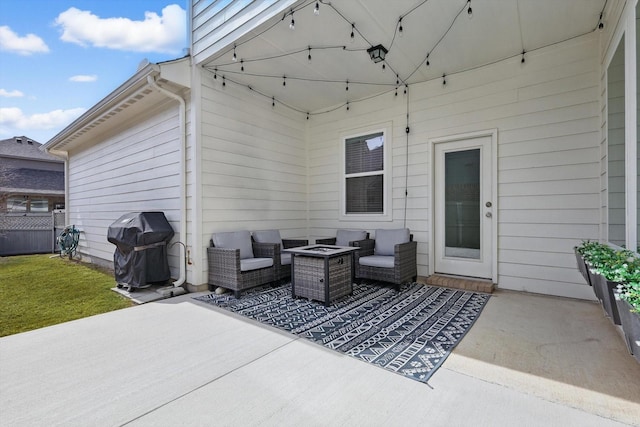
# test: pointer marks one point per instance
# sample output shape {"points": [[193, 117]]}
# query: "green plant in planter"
{"points": [[630, 292]]}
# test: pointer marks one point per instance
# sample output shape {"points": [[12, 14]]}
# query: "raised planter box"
{"points": [[582, 267], [606, 289], [630, 326]]}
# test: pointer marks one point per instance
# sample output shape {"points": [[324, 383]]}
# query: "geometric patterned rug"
{"points": [[410, 332]]}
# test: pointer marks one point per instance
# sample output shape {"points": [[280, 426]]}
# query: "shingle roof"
{"points": [[33, 179], [25, 148]]}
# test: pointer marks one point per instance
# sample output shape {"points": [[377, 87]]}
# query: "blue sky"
{"points": [[58, 58]]}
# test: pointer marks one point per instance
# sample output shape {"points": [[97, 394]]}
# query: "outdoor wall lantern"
{"points": [[377, 53]]}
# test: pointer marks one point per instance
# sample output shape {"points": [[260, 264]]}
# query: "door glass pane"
{"points": [[616, 147], [462, 204]]}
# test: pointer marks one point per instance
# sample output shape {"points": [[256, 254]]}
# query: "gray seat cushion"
{"points": [[235, 240], [249, 264], [343, 237], [386, 240], [285, 258], [377, 261], [268, 236]]}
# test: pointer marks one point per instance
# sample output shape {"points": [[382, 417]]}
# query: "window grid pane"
{"points": [[365, 194], [364, 154]]}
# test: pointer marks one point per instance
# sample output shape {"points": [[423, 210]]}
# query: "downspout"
{"points": [[183, 177]]}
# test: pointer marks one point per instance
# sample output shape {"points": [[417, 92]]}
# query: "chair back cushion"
{"points": [[343, 237], [235, 240], [268, 236], [387, 239]]}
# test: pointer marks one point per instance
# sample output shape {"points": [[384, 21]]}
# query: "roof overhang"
{"points": [[131, 99]]}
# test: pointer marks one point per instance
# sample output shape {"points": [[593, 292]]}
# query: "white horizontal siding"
{"points": [[131, 170], [547, 114], [253, 163]]}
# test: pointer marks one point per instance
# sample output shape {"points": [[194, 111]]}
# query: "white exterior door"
{"points": [[464, 207]]}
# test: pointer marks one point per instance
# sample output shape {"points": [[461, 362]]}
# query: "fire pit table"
{"points": [[322, 272]]}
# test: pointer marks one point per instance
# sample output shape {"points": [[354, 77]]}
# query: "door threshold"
{"points": [[461, 282]]}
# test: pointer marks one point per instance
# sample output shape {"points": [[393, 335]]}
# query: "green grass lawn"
{"points": [[38, 291]]}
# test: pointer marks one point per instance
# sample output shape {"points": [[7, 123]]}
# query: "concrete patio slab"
{"points": [[182, 362]]}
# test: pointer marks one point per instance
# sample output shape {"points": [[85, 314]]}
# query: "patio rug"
{"points": [[410, 332]]}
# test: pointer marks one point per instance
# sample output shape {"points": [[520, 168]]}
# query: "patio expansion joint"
{"points": [[213, 380]]}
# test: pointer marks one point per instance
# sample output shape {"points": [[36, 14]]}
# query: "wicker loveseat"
{"points": [[391, 257], [283, 267], [236, 263]]}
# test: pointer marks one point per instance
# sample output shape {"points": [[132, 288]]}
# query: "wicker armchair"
{"points": [[283, 266], [344, 238], [236, 263], [390, 258]]}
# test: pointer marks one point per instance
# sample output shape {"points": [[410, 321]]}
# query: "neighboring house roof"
{"points": [[22, 147], [32, 181]]}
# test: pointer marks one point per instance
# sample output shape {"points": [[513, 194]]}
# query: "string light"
{"points": [[353, 34], [428, 64], [600, 22], [384, 67], [215, 73], [347, 85], [469, 10], [292, 24], [444, 80], [307, 115], [405, 89], [242, 65], [347, 105], [316, 11], [309, 56], [396, 91], [224, 82], [400, 30], [234, 57], [284, 80], [522, 60], [273, 102]]}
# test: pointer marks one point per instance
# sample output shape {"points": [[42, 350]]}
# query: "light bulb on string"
{"points": [[292, 24], [309, 56], [215, 73], [284, 80], [400, 29], [353, 34], [428, 64], [234, 57], [273, 102], [522, 60], [242, 65], [347, 86], [396, 91], [600, 23], [224, 81], [444, 80], [397, 80], [347, 105], [307, 115], [469, 10], [316, 11], [405, 89], [384, 67]]}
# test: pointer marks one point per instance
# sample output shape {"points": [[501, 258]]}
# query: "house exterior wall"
{"points": [[253, 163], [134, 168], [547, 115]]}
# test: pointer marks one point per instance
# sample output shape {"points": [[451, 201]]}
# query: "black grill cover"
{"points": [[141, 241]]}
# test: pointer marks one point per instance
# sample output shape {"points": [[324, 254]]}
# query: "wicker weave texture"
{"points": [[310, 277], [404, 270], [224, 269]]}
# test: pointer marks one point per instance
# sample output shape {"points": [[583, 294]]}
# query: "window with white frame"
{"points": [[364, 174]]}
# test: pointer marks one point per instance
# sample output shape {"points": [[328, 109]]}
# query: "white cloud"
{"points": [[13, 94], [12, 42], [14, 118], [83, 78], [165, 33]]}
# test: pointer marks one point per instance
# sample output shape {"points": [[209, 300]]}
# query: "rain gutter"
{"points": [[183, 177]]}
